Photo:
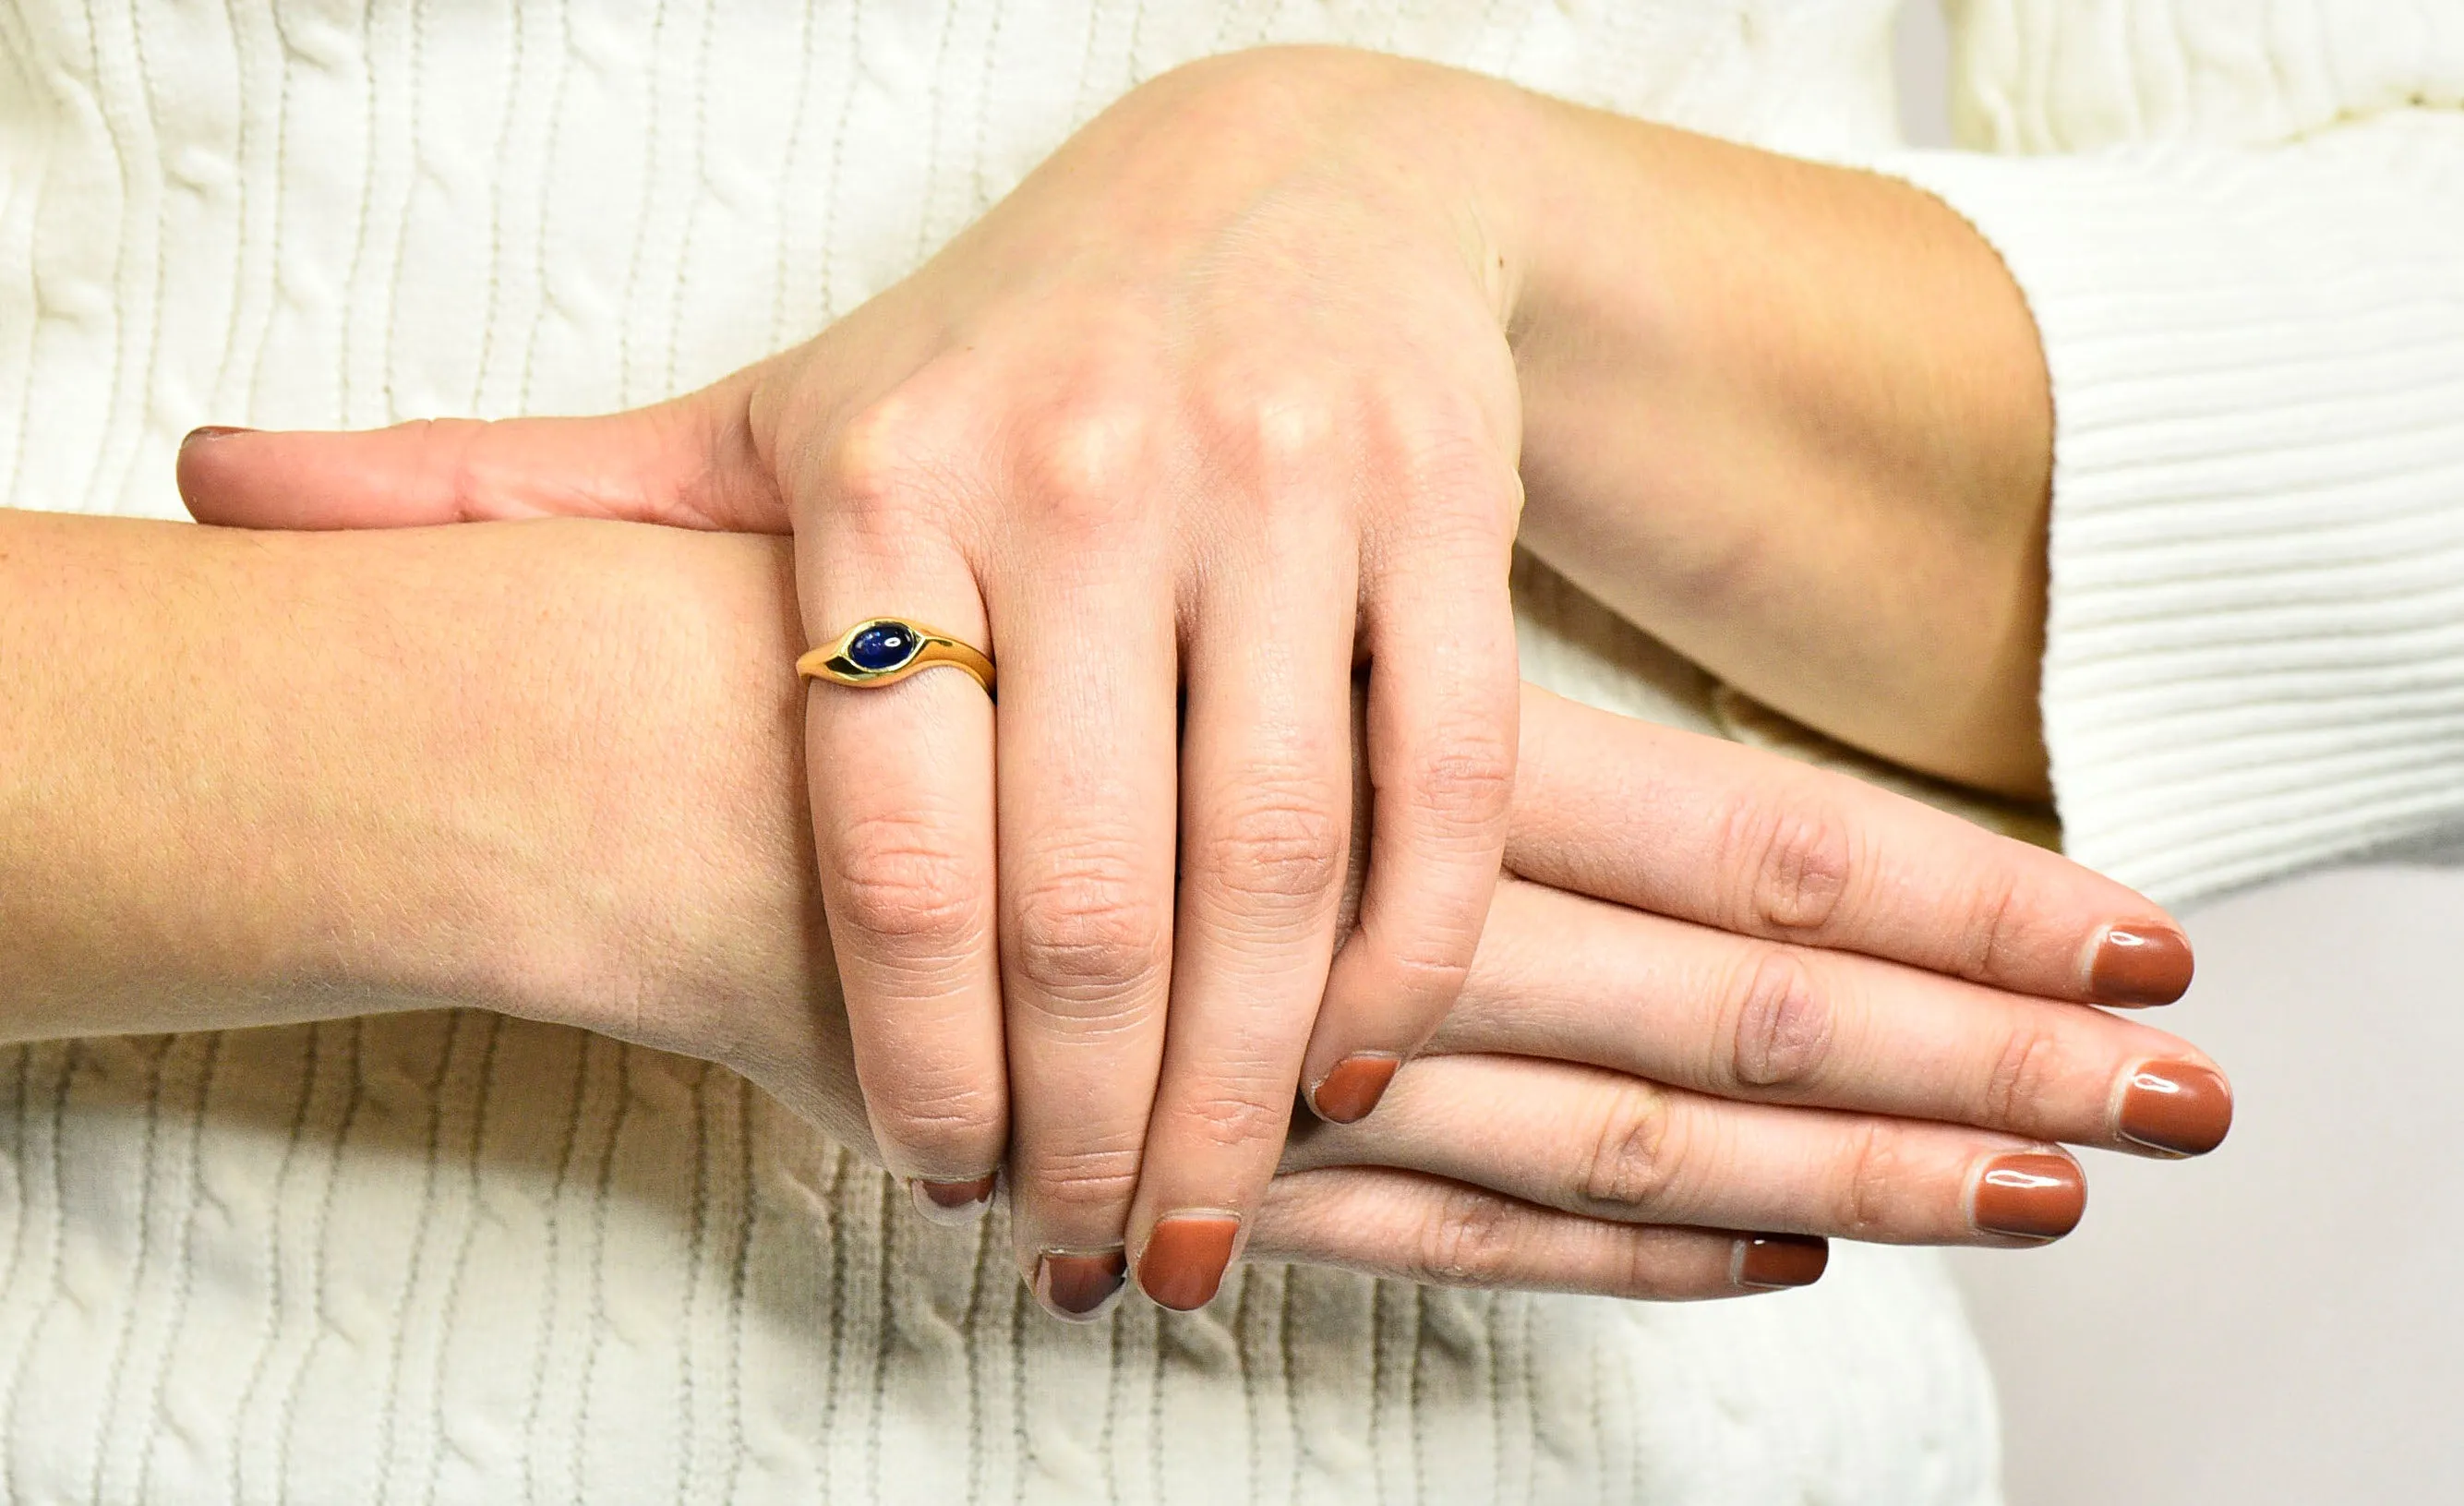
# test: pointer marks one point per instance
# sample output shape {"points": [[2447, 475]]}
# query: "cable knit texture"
{"points": [[2255, 644], [451, 1257]]}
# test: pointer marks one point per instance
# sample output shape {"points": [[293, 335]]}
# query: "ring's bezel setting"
{"points": [[871, 649], [881, 651]]}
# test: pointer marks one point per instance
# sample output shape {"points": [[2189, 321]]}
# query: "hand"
{"points": [[1220, 396], [1694, 1040], [1725, 992], [538, 768]]}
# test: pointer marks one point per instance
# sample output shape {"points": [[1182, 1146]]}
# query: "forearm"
{"points": [[1794, 420], [254, 778]]}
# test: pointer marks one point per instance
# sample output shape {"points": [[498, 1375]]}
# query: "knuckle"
{"points": [[1279, 843], [932, 1120], [1276, 428], [1464, 782], [1797, 856], [1782, 1034], [900, 881], [1469, 1242], [875, 469], [1087, 927], [1995, 909], [1631, 1155], [2024, 1070], [1076, 462], [1875, 1182], [1230, 1120], [1083, 1186]]}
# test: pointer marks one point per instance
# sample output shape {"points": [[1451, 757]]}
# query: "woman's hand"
{"points": [[1710, 1037], [1724, 992], [1221, 397], [540, 768]]}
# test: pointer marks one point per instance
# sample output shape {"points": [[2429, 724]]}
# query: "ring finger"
{"points": [[906, 856]]}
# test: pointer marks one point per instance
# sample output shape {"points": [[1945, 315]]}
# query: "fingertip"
{"points": [[1778, 1262], [1077, 1286], [1348, 1093], [195, 472], [2032, 1196], [1182, 1266], [953, 1203], [2139, 965]]}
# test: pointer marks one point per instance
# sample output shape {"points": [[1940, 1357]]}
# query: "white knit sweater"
{"points": [[456, 1258]]}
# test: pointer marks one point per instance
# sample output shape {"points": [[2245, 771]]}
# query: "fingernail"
{"points": [[1346, 1095], [2140, 966], [2028, 1196], [2176, 1107], [953, 1203], [1183, 1262], [210, 432], [1075, 1284], [1777, 1262]]}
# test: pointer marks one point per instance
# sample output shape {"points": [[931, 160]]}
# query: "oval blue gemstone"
{"points": [[882, 646]]}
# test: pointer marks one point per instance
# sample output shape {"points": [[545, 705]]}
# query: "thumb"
{"points": [[689, 462]]}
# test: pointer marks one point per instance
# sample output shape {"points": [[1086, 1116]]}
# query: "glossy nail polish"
{"points": [[1777, 1262], [2175, 1107], [2029, 1195], [953, 1203], [2140, 966], [1182, 1266], [1346, 1095], [1075, 1284]]}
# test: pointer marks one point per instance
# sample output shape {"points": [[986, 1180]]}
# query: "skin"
{"points": [[299, 776], [1245, 387]]}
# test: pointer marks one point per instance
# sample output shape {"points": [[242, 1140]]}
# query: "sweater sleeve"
{"points": [[2255, 642]]}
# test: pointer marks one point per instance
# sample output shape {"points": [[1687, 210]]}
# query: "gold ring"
{"points": [[883, 651]]}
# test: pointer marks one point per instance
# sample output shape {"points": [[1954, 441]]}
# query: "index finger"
{"points": [[1730, 837]]}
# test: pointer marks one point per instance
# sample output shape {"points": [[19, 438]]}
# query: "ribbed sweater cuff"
{"points": [[2255, 647]]}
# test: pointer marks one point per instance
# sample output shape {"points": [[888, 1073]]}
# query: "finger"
{"points": [[689, 462], [1747, 841], [903, 803], [1442, 701], [1266, 818], [1606, 1146], [1083, 609], [1578, 979], [1433, 1232]]}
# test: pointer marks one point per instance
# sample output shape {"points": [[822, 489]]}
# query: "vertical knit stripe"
{"points": [[2256, 649]]}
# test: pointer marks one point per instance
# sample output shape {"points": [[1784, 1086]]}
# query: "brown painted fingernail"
{"points": [[2141, 965], [212, 431], [2176, 1107], [1346, 1095], [953, 1201], [1183, 1262], [1777, 1262], [1075, 1284], [2028, 1196]]}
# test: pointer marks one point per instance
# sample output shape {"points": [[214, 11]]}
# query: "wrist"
{"points": [[641, 818], [1791, 419]]}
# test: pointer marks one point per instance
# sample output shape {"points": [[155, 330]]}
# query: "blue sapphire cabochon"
{"points": [[881, 646]]}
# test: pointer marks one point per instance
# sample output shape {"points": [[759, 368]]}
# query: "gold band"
{"points": [[883, 651]]}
